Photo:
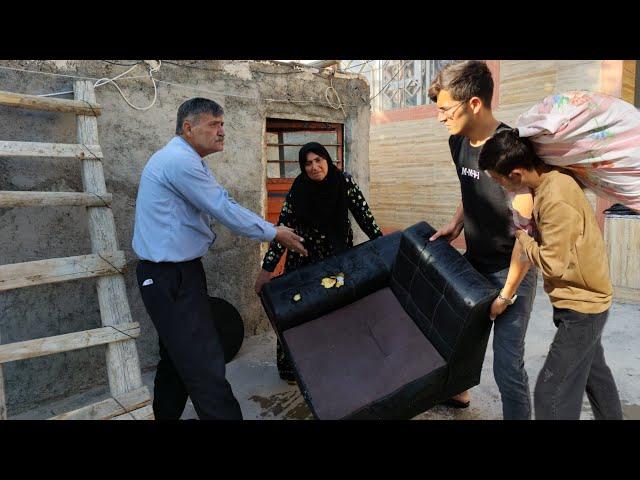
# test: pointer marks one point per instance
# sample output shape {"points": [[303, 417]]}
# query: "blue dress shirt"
{"points": [[177, 197]]}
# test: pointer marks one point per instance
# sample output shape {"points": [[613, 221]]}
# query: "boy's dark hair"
{"points": [[464, 80], [196, 106], [507, 150]]}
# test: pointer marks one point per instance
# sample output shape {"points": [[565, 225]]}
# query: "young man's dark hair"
{"points": [[507, 150], [464, 80], [196, 106]]}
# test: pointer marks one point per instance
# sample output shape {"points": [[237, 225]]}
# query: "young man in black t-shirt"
{"points": [[463, 92]]}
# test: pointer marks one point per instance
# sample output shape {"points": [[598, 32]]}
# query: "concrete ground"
{"points": [[263, 396]]}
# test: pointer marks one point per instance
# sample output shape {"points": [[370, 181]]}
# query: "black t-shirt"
{"points": [[487, 218]]}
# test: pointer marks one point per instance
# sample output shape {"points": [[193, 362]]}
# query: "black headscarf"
{"points": [[322, 204]]}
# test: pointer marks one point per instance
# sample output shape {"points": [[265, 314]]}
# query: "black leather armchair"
{"points": [[407, 330]]}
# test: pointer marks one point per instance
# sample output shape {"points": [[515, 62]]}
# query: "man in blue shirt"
{"points": [[177, 198]]}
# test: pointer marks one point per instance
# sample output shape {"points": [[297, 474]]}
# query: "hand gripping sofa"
{"points": [[407, 330]]}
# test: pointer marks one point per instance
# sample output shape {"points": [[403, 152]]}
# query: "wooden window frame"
{"points": [[280, 126]]}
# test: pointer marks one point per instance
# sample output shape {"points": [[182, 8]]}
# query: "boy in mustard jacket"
{"points": [[569, 250]]}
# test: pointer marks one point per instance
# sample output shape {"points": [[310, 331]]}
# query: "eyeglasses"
{"points": [[448, 112]]}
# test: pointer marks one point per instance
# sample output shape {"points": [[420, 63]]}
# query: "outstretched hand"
{"points": [[290, 240]]}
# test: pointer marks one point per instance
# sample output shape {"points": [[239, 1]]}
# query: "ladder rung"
{"points": [[144, 413], [65, 343], [53, 199], [26, 274], [111, 407], [35, 102], [55, 150]]}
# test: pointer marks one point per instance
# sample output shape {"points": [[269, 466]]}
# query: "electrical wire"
{"points": [[326, 95], [358, 64], [390, 80], [152, 69], [175, 84], [46, 73], [122, 64], [197, 67], [103, 81]]}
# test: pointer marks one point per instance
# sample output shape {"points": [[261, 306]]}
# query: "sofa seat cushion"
{"points": [[359, 354]]}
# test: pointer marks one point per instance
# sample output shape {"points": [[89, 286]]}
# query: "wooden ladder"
{"points": [[130, 399]]}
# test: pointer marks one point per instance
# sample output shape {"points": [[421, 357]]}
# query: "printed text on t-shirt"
{"points": [[470, 172]]}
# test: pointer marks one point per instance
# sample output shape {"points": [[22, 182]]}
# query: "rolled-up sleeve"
{"points": [[197, 185]]}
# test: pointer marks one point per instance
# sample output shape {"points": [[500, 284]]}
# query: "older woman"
{"points": [[317, 208]]}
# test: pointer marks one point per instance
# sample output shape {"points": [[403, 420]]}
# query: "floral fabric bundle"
{"points": [[594, 136]]}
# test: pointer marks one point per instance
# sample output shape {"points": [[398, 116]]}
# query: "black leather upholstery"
{"points": [[440, 291], [390, 352], [367, 268], [437, 286], [447, 298]]}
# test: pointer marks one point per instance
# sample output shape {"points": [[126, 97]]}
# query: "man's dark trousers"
{"points": [[191, 356]]}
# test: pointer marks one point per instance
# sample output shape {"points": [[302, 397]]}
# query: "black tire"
{"points": [[230, 326]]}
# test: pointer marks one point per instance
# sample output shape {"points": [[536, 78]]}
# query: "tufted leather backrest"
{"points": [[447, 298], [367, 268]]}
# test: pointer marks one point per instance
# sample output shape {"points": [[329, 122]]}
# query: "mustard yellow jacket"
{"points": [[570, 252]]}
